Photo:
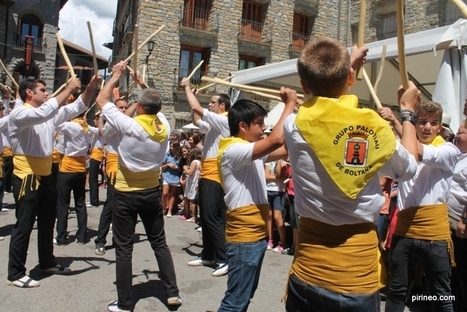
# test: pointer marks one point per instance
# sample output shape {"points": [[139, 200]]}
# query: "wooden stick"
{"points": [[94, 58], [461, 6], [361, 31], [132, 72], [244, 87], [9, 75], [266, 95], [135, 45], [213, 84], [11, 96], [195, 69], [144, 42], [144, 73], [381, 67], [401, 44], [60, 89], [370, 87], [65, 56], [90, 107]]}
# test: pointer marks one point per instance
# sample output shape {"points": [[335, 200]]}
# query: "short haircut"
{"points": [[430, 107], [224, 98], [324, 66], [244, 111], [29, 83], [150, 100]]}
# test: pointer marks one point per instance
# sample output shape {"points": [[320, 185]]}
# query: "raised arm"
{"points": [[387, 114], [408, 101], [197, 111], [117, 71]]}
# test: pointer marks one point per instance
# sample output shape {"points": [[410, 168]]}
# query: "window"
{"points": [[451, 13], [389, 29], [354, 30], [246, 61], [302, 26], [252, 21], [196, 14], [29, 25], [189, 59]]}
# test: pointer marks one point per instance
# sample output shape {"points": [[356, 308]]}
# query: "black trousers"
{"points": [[146, 204], [7, 172], [93, 184], [41, 203], [212, 210], [67, 182], [106, 215]]}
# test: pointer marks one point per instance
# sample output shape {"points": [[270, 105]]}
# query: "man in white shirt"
{"points": [[31, 128], [137, 192]]}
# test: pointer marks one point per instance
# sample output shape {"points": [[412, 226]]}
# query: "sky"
{"points": [[73, 23]]}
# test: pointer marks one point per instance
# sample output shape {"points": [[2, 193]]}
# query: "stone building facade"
{"points": [[235, 34], [37, 19]]}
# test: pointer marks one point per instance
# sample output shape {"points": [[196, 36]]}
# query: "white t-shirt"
{"points": [[217, 127], [318, 197], [243, 179], [458, 193]]}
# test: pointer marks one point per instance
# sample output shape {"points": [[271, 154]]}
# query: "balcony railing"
{"points": [[195, 80], [196, 18], [299, 40], [36, 45], [251, 30]]}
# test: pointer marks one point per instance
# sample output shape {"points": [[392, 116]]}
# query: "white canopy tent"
{"points": [[423, 65]]}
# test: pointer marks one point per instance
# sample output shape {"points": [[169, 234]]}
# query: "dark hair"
{"points": [[244, 111], [196, 138], [150, 100], [31, 84], [224, 98], [195, 153]]}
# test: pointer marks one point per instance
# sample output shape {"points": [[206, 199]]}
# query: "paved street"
{"points": [[92, 284]]}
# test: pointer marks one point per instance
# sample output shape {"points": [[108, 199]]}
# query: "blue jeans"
{"points": [[245, 261], [305, 297], [436, 265]]}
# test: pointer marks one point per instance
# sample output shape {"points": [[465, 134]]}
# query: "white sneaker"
{"points": [[199, 229], [174, 301], [88, 205], [198, 262], [222, 269], [113, 307]]}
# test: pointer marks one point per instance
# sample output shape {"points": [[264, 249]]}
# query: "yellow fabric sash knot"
{"points": [[153, 126], [82, 123], [7, 152], [129, 181], [247, 224], [343, 258], [438, 141], [111, 166], [351, 143], [30, 165], [428, 222], [55, 156], [209, 169], [97, 154], [71, 164], [223, 144]]}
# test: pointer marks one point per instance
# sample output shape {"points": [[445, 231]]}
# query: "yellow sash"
{"points": [[352, 144], [428, 222], [111, 166], [223, 144], [55, 156], [153, 126], [82, 123], [71, 164], [30, 165], [209, 169], [7, 152], [97, 154], [343, 259], [247, 224], [128, 181]]}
